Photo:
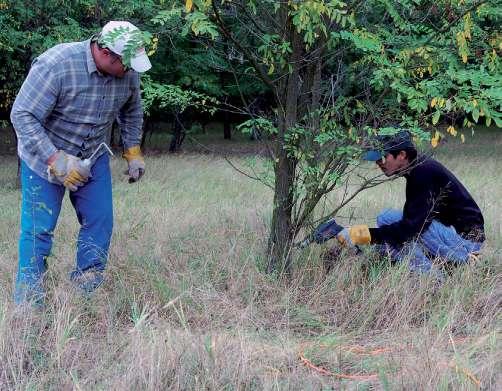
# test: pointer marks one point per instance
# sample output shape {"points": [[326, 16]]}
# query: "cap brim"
{"points": [[141, 63], [372, 156]]}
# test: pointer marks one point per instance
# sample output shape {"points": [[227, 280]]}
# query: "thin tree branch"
{"points": [[248, 54]]}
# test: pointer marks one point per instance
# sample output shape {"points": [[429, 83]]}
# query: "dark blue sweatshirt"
{"points": [[433, 193]]}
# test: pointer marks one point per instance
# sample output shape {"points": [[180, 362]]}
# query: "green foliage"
{"points": [[197, 58], [163, 17], [439, 76], [174, 98], [363, 40], [199, 24], [274, 51], [309, 17], [254, 125], [28, 28]]}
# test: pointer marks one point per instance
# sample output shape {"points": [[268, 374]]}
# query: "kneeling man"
{"points": [[439, 218]]}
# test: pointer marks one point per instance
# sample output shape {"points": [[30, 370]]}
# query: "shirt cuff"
{"points": [[46, 152]]}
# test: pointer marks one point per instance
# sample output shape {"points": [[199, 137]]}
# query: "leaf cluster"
{"points": [[134, 41], [174, 98]]}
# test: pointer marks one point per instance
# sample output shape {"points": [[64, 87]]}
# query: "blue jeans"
{"points": [[40, 207], [437, 240]]}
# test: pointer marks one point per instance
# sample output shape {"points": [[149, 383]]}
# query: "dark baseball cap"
{"points": [[383, 144]]}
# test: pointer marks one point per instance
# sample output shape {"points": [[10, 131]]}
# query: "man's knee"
{"points": [[104, 222], [35, 240], [388, 216], [96, 219]]}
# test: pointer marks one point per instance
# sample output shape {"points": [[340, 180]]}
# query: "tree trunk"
{"points": [[18, 176], [227, 129], [281, 231], [279, 243], [178, 134], [309, 105]]}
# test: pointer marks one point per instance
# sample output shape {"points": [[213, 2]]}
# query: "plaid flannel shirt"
{"points": [[66, 104]]}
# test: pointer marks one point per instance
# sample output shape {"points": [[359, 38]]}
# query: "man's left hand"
{"points": [[135, 162]]}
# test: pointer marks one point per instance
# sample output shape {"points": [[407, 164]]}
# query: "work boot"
{"points": [[29, 292], [87, 281], [473, 257]]}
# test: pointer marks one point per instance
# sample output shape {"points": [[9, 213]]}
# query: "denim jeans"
{"points": [[40, 207], [437, 240]]}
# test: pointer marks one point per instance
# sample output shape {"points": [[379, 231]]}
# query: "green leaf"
{"points": [[475, 114], [435, 117], [201, 25], [363, 40], [498, 121]]}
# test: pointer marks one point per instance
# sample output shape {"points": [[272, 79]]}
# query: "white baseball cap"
{"points": [[140, 61]]}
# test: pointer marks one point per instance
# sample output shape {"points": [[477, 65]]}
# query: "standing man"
{"points": [[69, 100], [439, 218]]}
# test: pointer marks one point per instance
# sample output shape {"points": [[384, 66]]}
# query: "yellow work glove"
{"points": [[68, 170], [135, 162], [352, 236]]}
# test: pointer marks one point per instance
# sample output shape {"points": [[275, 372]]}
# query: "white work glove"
{"points": [[344, 237], [68, 170]]}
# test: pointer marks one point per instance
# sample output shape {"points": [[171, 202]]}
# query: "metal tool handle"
{"points": [[87, 162]]}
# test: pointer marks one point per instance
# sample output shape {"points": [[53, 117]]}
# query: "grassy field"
{"points": [[186, 306]]}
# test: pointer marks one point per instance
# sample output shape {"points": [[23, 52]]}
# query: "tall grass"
{"points": [[186, 306]]}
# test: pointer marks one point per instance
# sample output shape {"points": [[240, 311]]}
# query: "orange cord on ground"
{"points": [[466, 371], [360, 350], [468, 374], [325, 372]]}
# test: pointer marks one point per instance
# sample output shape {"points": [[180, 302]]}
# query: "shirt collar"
{"points": [[91, 65]]}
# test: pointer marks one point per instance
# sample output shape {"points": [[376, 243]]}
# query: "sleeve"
{"points": [[417, 215], [130, 118], [34, 103]]}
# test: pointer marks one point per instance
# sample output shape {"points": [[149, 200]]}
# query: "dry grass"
{"points": [[186, 306]]}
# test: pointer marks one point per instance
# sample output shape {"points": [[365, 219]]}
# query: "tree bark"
{"points": [[18, 176], [309, 105], [227, 129], [281, 231], [280, 239], [178, 134]]}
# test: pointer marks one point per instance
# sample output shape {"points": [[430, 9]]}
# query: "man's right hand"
{"points": [[67, 170], [355, 235]]}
